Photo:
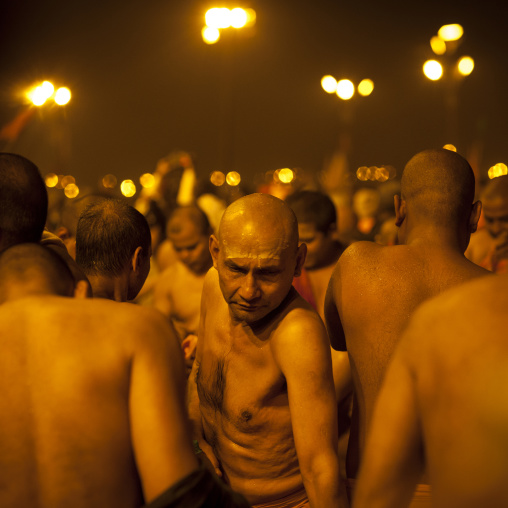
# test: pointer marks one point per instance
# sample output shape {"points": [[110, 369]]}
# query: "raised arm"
{"points": [[302, 352], [393, 460]]}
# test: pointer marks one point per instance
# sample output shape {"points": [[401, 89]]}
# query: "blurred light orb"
{"points": [[451, 32], [210, 35], [329, 84], [345, 89], [147, 180], [381, 174], [128, 188], [251, 17], [233, 178], [365, 87], [238, 17], [286, 175], [59, 183], [109, 181], [465, 65], [71, 190], [433, 69], [48, 89], [62, 96], [363, 173], [438, 45], [450, 147], [51, 179], [218, 17], [217, 178], [67, 180], [499, 169], [38, 96]]}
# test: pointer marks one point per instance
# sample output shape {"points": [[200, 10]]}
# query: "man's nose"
{"points": [[495, 228], [250, 288]]}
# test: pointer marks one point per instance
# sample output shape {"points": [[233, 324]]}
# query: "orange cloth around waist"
{"points": [[296, 500], [421, 497]]}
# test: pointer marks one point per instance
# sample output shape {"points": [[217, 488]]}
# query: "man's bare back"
{"points": [[91, 410], [443, 405], [375, 289]]}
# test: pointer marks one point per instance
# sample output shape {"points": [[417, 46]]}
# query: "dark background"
{"points": [[144, 84]]}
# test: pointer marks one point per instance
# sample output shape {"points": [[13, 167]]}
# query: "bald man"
{"points": [[178, 289], [92, 409], [261, 390], [443, 405], [374, 289]]}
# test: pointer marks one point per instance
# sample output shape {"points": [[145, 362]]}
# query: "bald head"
{"points": [[188, 216], [30, 269], [23, 201], [438, 186], [265, 219]]}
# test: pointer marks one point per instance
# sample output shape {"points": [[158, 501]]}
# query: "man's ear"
{"points": [[82, 290], [475, 216], [213, 245], [400, 210], [301, 254], [136, 258]]}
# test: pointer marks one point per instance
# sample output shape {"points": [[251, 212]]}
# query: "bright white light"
{"points": [[238, 17], [466, 65], [345, 89], [62, 96], [450, 32], [329, 84], [433, 69], [218, 17], [210, 35]]}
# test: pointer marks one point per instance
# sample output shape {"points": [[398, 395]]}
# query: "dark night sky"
{"points": [[144, 83]]}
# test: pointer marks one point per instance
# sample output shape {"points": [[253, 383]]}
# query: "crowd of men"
{"points": [[269, 347]]}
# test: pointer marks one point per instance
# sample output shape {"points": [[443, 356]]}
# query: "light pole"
{"points": [[452, 70]]}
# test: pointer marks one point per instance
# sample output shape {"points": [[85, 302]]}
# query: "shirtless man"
{"points": [[178, 290], [113, 247], [443, 405], [374, 289], [261, 389], [92, 409]]}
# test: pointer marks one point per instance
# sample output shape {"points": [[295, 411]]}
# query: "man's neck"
{"points": [[111, 288]]}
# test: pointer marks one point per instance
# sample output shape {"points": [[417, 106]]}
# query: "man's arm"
{"points": [[332, 318], [160, 429], [302, 352], [393, 461]]}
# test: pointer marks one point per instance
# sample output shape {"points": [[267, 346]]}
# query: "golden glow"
{"points": [[128, 188], [438, 45], [218, 17], [251, 17], [329, 84], [286, 175], [363, 173], [62, 96], [37, 96], [210, 35], [365, 87], [433, 69], [450, 147], [67, 180], [217, 178], [48, 88], [109, 181], [51, 180], [381, 174], [345, 89], [71, 190], [499, 169], [147, 180], [450, 32], [233, 178], [465, 65], [238, 17]]}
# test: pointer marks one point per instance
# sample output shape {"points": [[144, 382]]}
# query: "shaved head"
{"points": [[438, 186], [29, 269], [266, 220], [184, 216]]}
